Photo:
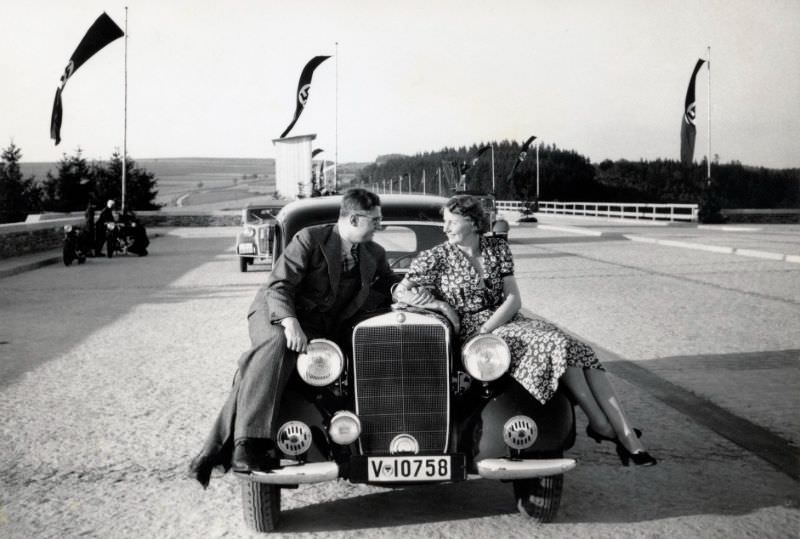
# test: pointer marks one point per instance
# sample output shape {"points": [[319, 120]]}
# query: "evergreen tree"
{"points": [[140, 185], [70, 189], [18, 196]]}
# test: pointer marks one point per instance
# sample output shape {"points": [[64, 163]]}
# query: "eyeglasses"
{"points": [[375, 221]]}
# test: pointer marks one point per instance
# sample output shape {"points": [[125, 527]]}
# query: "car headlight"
{"points": [[345, 427], [249, 232], [486, 357], [321, 364]]}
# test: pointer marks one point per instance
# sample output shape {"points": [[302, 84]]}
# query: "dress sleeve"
{"points": [[505, 258], [423, 269]]}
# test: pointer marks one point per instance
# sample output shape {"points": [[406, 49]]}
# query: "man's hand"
{"points": [[296, 339]]}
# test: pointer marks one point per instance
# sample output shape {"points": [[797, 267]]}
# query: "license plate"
{"points": [[247, 248], [411, 468]]}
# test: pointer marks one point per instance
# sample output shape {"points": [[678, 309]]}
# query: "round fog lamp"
{"points": [[345, 427], [520, 432], [486, 357], [321, 363], [294, 438]]}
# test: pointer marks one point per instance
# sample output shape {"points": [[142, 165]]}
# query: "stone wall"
{"points": [[47, 232], [25, 238]]}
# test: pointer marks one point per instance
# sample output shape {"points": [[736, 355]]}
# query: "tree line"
{"points": [[74, 185], [565, 175]]}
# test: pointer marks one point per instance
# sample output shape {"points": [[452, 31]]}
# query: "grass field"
{"points": [[219, 183]]}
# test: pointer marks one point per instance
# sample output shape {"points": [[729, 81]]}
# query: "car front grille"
{"points": [[262, 235], [402, 382]]}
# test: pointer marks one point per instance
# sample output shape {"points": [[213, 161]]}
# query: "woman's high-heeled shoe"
{"points": [[597, 437], [639, 458]]}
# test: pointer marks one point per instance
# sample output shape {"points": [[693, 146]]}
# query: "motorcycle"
{"points": [[74, 245], [115, 240], [126, 237]]}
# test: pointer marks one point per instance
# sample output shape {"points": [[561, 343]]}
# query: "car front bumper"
{"points": [[501, 469]]}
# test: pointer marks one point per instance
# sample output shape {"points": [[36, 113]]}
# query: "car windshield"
{"points": [[260, 214], [404, 242]]}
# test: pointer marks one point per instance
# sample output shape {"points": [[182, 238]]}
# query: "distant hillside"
{"points": [[207, 181], [207, 166]]}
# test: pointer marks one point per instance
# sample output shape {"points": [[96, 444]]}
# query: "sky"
{"points": [[218, 79]]}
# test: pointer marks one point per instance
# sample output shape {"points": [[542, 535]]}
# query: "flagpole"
{"points": [[708, 173], [492, 167], [336, 143], [125, 118], [537, 170]]}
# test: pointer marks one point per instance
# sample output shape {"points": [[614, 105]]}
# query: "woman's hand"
{"points": [[413, 295], [485, 328]]}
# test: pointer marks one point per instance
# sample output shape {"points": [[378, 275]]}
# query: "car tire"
{"points": [[262, 505], [242, 264], [539, 498]]}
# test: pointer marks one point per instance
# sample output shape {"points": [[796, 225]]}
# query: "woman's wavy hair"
{"points": [[471, 208]]}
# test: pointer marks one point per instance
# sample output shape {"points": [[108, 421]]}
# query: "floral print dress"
{"points": [[540, 352]]}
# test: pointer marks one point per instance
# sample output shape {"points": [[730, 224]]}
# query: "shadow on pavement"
{"points": [[58, 307], [593, 493]]}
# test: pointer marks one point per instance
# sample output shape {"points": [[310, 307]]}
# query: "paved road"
{"points": [[111, 373]]}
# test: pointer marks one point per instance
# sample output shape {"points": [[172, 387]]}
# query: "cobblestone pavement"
{"points": [[111, 373]]}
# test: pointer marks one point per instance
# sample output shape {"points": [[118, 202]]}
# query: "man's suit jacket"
{"points": [[305, 278]]}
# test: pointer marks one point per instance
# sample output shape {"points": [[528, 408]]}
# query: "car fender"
{"points": [[295, 406], [555, 421]]}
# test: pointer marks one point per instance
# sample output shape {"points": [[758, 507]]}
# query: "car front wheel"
{"points": [[242, 264], [539, 498], [262, 505]]}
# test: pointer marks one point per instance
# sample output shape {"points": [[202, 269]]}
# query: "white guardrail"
{"points": [[611, 210]]}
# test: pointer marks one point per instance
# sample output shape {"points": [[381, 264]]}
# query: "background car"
{"points": [[254, 242], [400, 400]]}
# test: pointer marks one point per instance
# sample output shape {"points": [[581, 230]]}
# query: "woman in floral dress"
{"points": [[470, 278]]}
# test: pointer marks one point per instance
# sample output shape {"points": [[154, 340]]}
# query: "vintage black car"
{"points": [[403, 401], [254, 242]]}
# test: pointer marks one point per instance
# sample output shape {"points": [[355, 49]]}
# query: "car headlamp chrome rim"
{"points": [[249, 232], [486, 357], [345, 427], [321, 364]]}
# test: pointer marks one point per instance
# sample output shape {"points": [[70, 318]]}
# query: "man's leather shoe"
{"points": [[253, 455]]}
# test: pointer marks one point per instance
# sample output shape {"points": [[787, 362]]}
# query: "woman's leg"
{"points": [[576, 382], [607, 400]]}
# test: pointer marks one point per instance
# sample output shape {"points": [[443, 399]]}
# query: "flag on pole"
{"points": [[521, 157], [303, 87], [101, 33], [465, 166], [688, 129]]}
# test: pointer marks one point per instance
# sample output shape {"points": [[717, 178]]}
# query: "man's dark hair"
{"points": [[358, 199], [471, 208]]}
